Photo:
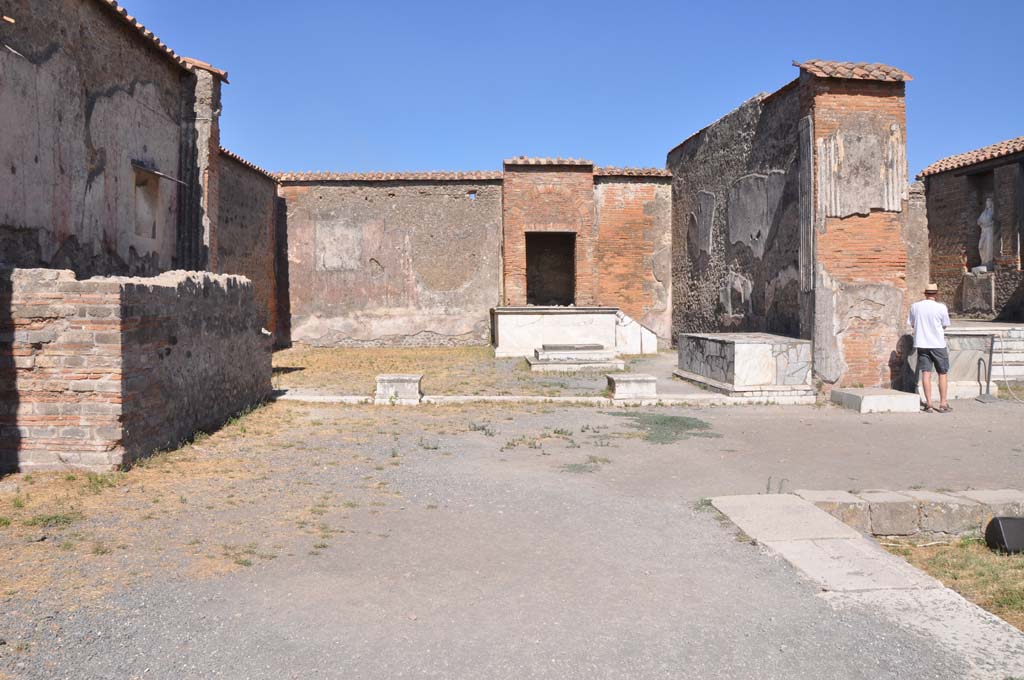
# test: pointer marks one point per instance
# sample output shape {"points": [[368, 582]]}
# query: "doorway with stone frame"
{"points": [[551, 268]]}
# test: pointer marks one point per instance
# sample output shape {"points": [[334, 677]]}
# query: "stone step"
{"points": [[563, 353], [875, 400], [1013, 371], [1007, 358], [574, 366]]}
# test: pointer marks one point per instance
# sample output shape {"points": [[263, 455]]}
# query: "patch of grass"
{"points": [[350, 504], [659, 428], [993, 581], [5, 521], [18, 502], [98, 482], [54, 520], [591, 464], [703, 505], [99, 548]]}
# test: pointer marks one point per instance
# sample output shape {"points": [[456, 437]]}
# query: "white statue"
{"points": [[985, 244]]}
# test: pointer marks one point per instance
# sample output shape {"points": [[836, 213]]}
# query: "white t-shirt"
{"points": [[929, 318]]}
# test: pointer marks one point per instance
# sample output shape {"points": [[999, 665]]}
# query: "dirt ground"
{"points": [[296, 488], [448, 370]]}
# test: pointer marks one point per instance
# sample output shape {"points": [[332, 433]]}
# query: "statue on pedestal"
{"points": [[986, 246]]}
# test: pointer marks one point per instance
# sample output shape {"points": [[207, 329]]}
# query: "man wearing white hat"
{"points": [[929, 319]]}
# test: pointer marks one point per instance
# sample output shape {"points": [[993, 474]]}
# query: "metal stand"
{"points": [[986, 396]]}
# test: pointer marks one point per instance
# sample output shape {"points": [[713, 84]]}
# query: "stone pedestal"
{"points": [[519, 331], [632, 386], [978, 294], [746, 363], [400, 390]]}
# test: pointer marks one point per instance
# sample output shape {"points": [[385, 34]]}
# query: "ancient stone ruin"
{"points": [[790, 220]]}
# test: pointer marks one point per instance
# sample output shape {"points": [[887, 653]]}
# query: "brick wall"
{"points": [[547, 198], [247, 235], [861, 254], [634, 248], [98, 372], [393, 263], [955, 200]]}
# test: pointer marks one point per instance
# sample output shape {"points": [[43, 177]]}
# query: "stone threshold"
{"points": [[704, 399]]}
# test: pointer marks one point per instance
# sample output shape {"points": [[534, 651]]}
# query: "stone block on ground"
{"points": [[876, 400], [946, 514], [780, 517], [632, 386], [842, 505], [892, 514], [851, 565], [398, 389], [997, 502]]}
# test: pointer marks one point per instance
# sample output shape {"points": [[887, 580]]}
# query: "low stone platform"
{"points": [[746, 363], [876, 400], [398, 389], [519, 331], [633, 386]]}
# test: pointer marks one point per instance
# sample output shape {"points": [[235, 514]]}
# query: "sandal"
{"points": [[927, 409], [945, 409]]}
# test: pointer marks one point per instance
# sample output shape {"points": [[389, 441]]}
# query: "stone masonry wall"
{"points": [[193, 355], [247, 235], [98, 372], [860, 252], [399, 263], [735, 217], [549, 198], [634, 248], [86, 101]]}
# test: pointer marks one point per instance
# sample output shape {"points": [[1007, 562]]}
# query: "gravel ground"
{"points": [[482, 542]]}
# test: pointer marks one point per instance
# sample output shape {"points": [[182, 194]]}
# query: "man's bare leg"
{"points": [[926, 380], [943, 389]]}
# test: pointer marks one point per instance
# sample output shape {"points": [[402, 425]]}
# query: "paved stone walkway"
{"points": [[856, 572]]}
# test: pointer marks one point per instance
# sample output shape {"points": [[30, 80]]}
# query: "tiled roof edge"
{"points": [[985, 153], [528, 160], [252, 166], [431, 176], [851, 70], [612, 171]]}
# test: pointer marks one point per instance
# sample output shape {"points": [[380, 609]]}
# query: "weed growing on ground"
{"points": [[703, 505], [482, 427], [992, 580], [429, 446], [18, 502], [5, 521], [55, 520], [100, 548], [659, 428], [591, 464]]}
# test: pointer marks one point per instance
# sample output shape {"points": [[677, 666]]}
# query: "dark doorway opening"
{"points": [[550, 268]]}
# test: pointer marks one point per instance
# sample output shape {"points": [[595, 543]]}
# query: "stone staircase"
{"points": [[1008, 358], [574, 358]]}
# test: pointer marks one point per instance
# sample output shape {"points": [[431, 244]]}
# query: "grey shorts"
{"points": [[933, 359]]}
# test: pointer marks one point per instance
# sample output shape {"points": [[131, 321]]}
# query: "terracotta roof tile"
{"points": [[251, 166], [442, 176], [526, 160], [188, 64], [223, 75], [985, 153], [611, 171], [853, 70]]}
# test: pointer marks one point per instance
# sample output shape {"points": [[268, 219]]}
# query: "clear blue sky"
{"points": [[453, 85]]}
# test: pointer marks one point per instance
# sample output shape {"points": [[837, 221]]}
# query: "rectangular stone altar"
{"points": [[519, 331], [749, 364]]}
